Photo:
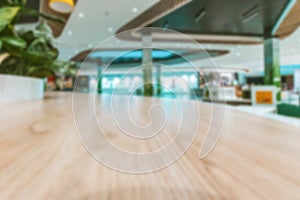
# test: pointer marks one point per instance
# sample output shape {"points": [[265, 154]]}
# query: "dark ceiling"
{"points": [[225, 17]]}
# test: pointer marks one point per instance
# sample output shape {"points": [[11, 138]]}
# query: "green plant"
{"points": [[26, 52]]}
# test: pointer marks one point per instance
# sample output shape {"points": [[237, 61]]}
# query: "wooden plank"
{"points": [[290, 23], [57, 28], [42, 158]]}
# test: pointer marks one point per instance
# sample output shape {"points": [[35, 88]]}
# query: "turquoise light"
{"points": [[288, 69], [130, 54], [285, 70]]}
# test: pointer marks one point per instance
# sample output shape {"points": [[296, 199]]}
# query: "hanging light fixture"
{"points": [[62, 6]]}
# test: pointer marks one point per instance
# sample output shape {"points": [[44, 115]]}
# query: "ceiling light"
{"points": [[104, 80], [199, 15], [134, 10], [70, 32], [62, 6], [81, 15], [250, 13], [90, 45], [237, 54], [193, 78], [110, 29]]}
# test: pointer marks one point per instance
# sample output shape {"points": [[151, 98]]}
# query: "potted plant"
{"points": [[26, 56]]}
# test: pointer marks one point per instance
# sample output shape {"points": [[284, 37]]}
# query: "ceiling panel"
{"points": [[224, 17]]}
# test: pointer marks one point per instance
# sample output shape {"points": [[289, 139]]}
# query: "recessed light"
{"points": [[165, 25], [110, 29], [90, 45], [250, 13], [134, 10], [237, 54], [81, 15], [200, 15], [70, 32]]}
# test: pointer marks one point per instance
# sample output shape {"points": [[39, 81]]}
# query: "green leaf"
{"points": [[13, 2], [15, 42], [42, 46], [44, 28], [34, 13], [7, 15], [36, 58], [9, 30], [39, 72], [31, 52], [26, 35], [12, 65]]}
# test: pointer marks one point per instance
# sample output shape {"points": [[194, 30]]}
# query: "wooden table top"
{"points": [[41, 157]]}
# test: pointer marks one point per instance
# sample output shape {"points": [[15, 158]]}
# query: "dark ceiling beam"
{"points": [[164, 7], [57, 28], [290, 23]]}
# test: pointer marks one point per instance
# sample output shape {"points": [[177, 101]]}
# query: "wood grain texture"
{"points": [[42, 158], [154, 12], [83, 55], [290, 23]]}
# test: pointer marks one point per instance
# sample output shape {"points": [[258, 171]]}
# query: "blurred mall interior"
{"points": [[217, 81]]}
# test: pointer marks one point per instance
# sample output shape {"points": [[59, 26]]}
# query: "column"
{"points": [[198, 80], [272, 64], [158, 80], [99, 75], [99, 85], [147, 64]]}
